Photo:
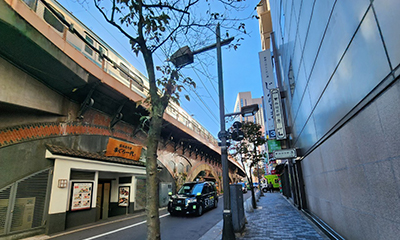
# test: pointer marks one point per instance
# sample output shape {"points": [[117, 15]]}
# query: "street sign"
{"points": [[285, 153]]}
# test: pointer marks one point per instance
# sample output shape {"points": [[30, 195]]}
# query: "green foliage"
{"points": [[259, 173], [248, 146], [246, 149], [172, 82]]}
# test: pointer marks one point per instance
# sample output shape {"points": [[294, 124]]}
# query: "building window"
{"points": [[292, 83], [241, 102], [282, 20]]}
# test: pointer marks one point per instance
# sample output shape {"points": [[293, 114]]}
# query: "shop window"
{"points": [[123, 180], [81, 175]]}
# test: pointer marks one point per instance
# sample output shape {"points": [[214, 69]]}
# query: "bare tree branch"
{"points": [[112, 22]]}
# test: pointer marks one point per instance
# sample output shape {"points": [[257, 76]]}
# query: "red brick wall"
{"points": [[94, 123]]}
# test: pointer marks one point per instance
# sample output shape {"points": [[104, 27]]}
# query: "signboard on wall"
{"points": [[123, 197], [268, 83], [273, 145], [117, 148], [81, 197]]}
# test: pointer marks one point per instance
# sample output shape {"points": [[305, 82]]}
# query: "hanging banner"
{"points": [[117, 148], [268, 83]]}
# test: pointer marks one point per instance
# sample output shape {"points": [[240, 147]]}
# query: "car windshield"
{"points": [[191, 189]]}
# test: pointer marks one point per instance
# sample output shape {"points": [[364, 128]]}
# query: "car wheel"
{"points": [[200, 210], [265, 190]]}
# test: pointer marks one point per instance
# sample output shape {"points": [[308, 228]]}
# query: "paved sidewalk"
{"points": [[274, 218]]}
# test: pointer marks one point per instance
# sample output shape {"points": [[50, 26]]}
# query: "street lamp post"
{"points": [[181, 58], [227, 231]]}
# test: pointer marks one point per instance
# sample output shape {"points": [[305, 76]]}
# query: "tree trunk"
{"points": [[156, 114], [152, 205], [253, 195], [250, 180]]}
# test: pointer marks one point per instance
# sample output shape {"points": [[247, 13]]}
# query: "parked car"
{"points": [[244, 187], [193, 198]]}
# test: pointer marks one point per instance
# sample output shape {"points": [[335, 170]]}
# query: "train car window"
{"points": [[103, 51], [124, 68], [137, 78], [88, 49], [52, 20], [31, 4], [125, 73]]}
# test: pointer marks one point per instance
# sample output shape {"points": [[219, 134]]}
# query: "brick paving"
{"points": [[276, 218]]}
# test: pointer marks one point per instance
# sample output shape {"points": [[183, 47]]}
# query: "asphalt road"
{"points": [[172, 227]]}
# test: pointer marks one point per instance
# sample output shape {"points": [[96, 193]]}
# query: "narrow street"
{"points": [[172, 227]]}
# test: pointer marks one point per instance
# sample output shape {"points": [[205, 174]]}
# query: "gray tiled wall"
{"points": [[352, 180], [340, 51]]}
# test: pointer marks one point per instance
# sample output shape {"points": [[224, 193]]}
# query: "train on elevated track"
{"points": [[105, 57]]}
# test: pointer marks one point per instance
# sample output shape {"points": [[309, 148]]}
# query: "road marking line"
{"points": [[121, 229]]}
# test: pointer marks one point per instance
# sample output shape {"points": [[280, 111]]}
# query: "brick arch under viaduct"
{"points": [[176, 162], [96, 127]]}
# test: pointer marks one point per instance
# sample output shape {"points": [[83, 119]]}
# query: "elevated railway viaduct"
{"points": [[61, 111]]}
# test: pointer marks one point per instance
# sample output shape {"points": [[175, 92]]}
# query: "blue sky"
{"points": [[241, 68]]}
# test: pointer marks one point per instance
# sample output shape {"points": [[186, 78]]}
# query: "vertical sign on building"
{"points": [[268, 82], [280, 127]]}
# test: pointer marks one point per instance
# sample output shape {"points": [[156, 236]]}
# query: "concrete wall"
{"points": [[36, 101], [20, 160]]}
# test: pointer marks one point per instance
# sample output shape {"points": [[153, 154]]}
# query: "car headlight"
{"points": [[190, 200]]}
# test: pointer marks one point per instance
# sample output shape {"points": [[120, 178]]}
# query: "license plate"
{"points": [[178, 209]]}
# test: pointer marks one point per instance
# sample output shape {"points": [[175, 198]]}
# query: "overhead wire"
{"points": [[200, 79], [207, 77], [194, 70], [112, 35]]}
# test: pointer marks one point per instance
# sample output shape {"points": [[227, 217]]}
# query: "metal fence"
{"points": [[23, 204]]}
